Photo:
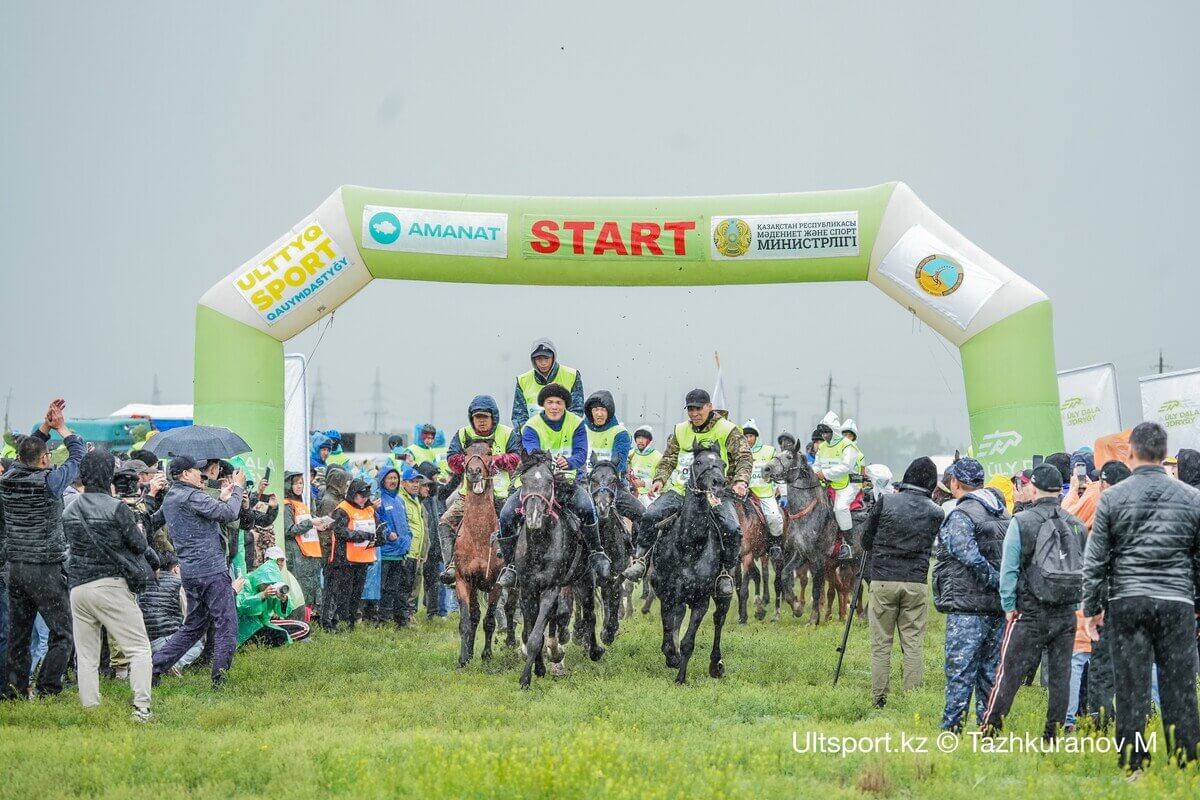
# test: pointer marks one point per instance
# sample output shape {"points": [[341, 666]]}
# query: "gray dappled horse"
{"points": [[687, 559], [604, 481]]}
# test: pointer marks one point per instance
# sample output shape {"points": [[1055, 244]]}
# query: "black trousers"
{"points": [[395, 585], [1101, 683], [628, 505], [670, 502], [431, 586], [343, 588], [1020, 651], [37, 589], [1147, 632]]}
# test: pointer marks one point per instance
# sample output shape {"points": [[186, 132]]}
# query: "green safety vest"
{"points": [[686, 439], [336, 459], [600, 443], [530, 388], [830, 453], [762, 453], [498, 440], [643, 466], [437, 455], [557, 443]]}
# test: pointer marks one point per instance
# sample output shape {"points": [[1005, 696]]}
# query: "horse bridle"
{"points": [[791, 474], [693, 480], [550, 500], [475, 457]]}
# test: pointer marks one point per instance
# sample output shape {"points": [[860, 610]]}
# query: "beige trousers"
{"points": [[897, 606], [108, 603]]}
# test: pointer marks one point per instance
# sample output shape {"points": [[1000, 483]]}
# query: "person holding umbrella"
{"points": [[194, 520]]}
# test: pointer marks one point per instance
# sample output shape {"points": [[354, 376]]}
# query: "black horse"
{"points": [[550, 556], [604, 480], [687, 559]]}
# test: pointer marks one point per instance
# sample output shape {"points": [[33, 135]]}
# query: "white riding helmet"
{"points": [[750, 424], [849, 425], [831, 419], [646, 429]]}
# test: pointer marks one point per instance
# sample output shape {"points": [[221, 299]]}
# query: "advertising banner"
{"points": [[831, 235], [1089, 403], [939, 277], [612, 237], [423, 230], [1173, 401], [295, 416]]}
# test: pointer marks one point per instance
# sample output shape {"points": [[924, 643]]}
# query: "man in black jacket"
{"points": [[899, 536], [1145, 547], [34, 547]]}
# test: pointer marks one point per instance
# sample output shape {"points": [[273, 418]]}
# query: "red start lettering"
{"points": [[641, 238]]}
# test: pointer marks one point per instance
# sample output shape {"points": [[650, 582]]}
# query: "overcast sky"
{"points": [[146, 152]]}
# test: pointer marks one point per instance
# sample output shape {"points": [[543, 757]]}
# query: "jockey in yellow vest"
{"points": [[837, 458], [850, 431], [484, 414], [556, 431], [643, 461], [546, 371], [763, 488], [702, 428], [609, 441], [424, 450]]}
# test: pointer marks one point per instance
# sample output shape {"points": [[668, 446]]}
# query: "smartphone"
{"points": [[267, 475], [1081, 471], [1037, 461]]}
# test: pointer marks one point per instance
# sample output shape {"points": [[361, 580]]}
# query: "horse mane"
{"points": [[531, 458]]}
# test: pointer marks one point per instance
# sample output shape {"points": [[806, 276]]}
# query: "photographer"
{"points": [[263, 603]]}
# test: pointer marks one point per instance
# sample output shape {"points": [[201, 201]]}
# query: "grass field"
{"points": [[381, 713]]}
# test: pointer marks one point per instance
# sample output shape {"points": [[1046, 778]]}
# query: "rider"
{"points": [[609, 441], [642, 463], [337, 456], [838, 458], [561, 434], [850, 431], [484, 415], [546, 371], [425, 450], [764, 489], [786, 441], [702, 428]]}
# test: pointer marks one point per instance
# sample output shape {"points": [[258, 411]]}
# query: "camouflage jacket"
{"points": [[741, 461]]}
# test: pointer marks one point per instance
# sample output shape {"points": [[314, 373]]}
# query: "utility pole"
{"points": [[841, 407], [664, 418], [829, 393], [774, 400], [155, 395], [432, 401], [741, 393], [7, 406], [857, 401], [376, 411], [317, 406], [1160, 362]]}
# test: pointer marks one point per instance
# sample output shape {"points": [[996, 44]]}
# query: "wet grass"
{"points": [[381, 713]]}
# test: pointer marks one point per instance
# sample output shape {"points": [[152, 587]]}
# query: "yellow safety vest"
{"points": [[557, 443], [600, 443], [530, 388], [498, 440], [830, 454], [437, 455], [643, 466], [686, 439], [762, 453]]}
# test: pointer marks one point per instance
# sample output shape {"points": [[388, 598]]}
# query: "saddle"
{"points": [[857, 504]]}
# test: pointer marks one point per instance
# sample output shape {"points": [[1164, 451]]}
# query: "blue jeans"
{"points": [[39, 643], [1078, 662], [188, 657]]}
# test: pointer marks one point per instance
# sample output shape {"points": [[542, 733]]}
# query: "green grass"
{"points": [[382, 713]]}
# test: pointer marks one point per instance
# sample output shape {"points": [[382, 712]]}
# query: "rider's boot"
{"points": [[730, 549], [508, 551], [601, 564], [637, 566], [447, 537]]}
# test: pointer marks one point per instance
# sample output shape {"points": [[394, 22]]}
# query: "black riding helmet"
{"points": [[786, 440]]}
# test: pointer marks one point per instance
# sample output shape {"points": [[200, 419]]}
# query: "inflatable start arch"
{"points": [[883, 235]]}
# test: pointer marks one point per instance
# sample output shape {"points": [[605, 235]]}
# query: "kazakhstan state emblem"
{"points": [[939, 275], [731, 237]]}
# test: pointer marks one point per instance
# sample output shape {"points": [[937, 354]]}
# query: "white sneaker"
{"points": [[142, 715], [121, 674]]}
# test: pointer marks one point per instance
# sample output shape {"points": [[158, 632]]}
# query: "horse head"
{"points": [[791, 466], [603, 481], [537, 488], [707, 470], [477, 467]]}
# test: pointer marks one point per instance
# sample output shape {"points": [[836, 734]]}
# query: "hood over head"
{"points": [[604, 399], [1189, 467], [922, 473], [989, 498], [485, 403], [541, 346], [336, 481], [386, 470]]}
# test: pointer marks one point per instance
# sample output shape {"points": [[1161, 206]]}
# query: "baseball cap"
{"points": [[697, 398], [1113, 472], [967, 471], [181, 464], [1047, 477], [407, 473]]}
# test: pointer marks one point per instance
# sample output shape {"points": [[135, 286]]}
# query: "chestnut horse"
{"points": [[754, 549], [475, 553]]}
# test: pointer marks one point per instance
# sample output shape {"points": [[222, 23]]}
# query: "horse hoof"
{"points": [[525, 682], [486, 655], [462, 664], [672, 662], [539, 669], [680, 679], [761, 614], [716, 669], [558, 670], [742, 620], [597, 653], [608, 637]]}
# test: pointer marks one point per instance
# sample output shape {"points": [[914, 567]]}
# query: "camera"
{"points": [[281, 589]]}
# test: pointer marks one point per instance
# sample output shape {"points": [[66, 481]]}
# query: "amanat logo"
{"points": [[607, 238]]}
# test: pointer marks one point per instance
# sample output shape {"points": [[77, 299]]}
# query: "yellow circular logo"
{"points": [[939, 275], [731, 237]]}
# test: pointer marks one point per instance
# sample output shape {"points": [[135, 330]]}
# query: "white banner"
{"points": [[830, 235], [928, 270], [1090, 405], [295, 417], [1173, 401], [447, 233]]}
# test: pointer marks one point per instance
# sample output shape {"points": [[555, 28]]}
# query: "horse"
{"points": [[809, 528], [550, 557], [754, 549], [604, 480], [687, 559], [477, 560]]}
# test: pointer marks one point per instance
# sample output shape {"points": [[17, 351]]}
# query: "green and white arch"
{"points": [[883, 235]]}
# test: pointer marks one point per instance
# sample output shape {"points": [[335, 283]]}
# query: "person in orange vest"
{"points": [[302, 543], [355, 532]]}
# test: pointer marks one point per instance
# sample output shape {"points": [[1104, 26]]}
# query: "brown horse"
{"points": [[754, 549], [478, 563]]}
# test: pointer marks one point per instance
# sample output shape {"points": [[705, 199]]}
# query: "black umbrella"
{"points": [[201, 442]]}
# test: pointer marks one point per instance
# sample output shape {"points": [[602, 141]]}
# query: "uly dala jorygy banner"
{"points": [[1089, 404], [1173, 401]]}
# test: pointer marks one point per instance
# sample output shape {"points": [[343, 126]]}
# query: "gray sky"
{"points": [[145, 153]]}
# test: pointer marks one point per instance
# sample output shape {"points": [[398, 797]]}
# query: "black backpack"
{"points": [[1054, 565]]}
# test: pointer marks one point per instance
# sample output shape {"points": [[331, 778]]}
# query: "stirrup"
{"points": [[448, 575], [507, 577], [724, 575], [636, 569], [845, 552]]}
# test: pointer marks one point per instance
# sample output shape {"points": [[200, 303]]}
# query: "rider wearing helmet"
{"points": [[609, 441], [850, 431], [425, 450], [837, 458], [337, 456], [484, 416], [546, 371], [560, 433], [764, 489], [643, 460], [702, 428]]}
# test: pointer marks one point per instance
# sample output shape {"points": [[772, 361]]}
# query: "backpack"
{"points": [[1054, 567]]}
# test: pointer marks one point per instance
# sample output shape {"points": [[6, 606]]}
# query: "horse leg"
{"points": [[671, 618], [743, 590], [610, 596], [688, 643], [764, 599], [466, 629], [587, 614], [489, 623], [535, 640], [716, 664], [818, 589], [511, 599], [797, 598]]}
